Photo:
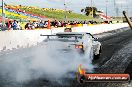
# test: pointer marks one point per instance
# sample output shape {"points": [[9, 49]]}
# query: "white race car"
{"points": [[79, 41]]}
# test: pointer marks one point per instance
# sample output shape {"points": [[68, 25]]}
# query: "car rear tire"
{"points": [[96, 57], [82, 79]]}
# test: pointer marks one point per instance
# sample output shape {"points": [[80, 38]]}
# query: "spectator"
{"points": [[61, 23], [30, 26], [58, 24], [46, 24], [26, 26], [41, 25], [34, 24], [14, 25], [18, 26], [9, 25], [55, 23]]}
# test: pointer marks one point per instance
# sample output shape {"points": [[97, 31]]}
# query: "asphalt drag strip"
{"points": [[116, 58]]}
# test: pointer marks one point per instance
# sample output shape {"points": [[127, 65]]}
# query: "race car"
{"points": [[79, 41]]}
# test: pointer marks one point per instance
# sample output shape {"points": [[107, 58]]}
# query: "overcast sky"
{"points": [[77, 5]]}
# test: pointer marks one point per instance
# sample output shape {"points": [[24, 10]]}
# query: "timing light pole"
{"points": [[106, 8], [92, 7], [65, 10], [3, 14]]}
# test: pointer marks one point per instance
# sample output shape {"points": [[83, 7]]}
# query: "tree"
{"points": [[88, 11]]}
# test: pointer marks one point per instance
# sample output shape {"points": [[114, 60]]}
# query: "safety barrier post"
{"points": [[48, 27]]}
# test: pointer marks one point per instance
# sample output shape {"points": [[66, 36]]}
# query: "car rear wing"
{"points": [[47, 35], [67, 34], [63, 35]]}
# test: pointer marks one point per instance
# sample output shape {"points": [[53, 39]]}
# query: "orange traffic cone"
{"points": [[48, 27]]}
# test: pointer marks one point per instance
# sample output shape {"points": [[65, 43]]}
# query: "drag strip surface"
{"points": [[112, 44], [116, 57]]}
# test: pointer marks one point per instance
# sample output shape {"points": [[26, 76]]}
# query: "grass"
{"points": [[57, 15]]}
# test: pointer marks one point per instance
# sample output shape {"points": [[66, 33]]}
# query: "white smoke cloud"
{"points": [[48, 60], [121, 2]]}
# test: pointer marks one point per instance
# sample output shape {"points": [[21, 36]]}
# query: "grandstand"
{"points": [[15, 13], [27, 13]]}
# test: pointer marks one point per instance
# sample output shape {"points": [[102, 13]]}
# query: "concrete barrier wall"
{"points": [[25, 38], [95, 29], [15, 39]]}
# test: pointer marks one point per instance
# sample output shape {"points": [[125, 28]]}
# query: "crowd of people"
{"points": [[44, 24], [15, 25]]}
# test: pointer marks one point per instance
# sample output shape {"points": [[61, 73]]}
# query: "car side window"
{"points": [[80, 37], [63, 37]]}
